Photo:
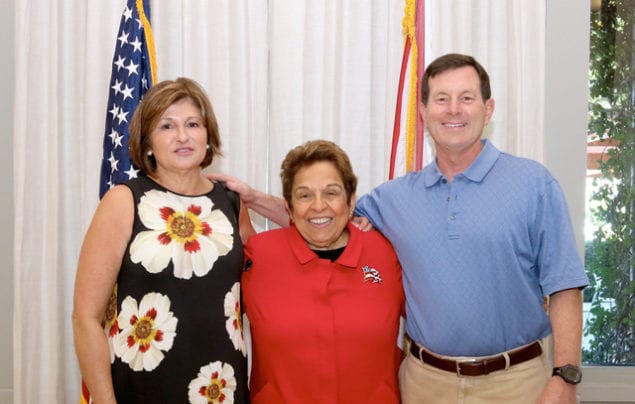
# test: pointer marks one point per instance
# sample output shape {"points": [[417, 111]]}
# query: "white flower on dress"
{"points": [[111, 325], [215, 384], [146, 331], [183, 229], [234, 323]]}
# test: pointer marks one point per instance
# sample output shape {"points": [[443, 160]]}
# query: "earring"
{"points": [[207, 146], [149, 153]]}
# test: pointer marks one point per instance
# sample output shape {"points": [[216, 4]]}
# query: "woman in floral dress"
{"points": [[157, 315]]}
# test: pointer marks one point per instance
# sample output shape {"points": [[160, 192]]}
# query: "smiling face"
{"points": [[319, 206], [179, 140], [456, 114]]}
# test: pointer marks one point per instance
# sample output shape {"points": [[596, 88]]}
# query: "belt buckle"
{"points": [[482, 363]]}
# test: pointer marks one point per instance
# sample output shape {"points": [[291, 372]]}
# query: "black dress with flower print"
{"points": [[175, 333]]}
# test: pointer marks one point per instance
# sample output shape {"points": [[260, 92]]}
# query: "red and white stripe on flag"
{"points": [[85, 398]]}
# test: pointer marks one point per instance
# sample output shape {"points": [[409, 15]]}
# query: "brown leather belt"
{"points": [[477, 367]]}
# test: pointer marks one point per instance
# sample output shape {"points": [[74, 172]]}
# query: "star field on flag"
{"points": [[131, 77]]}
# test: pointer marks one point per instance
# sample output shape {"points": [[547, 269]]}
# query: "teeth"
{"points": [[454, 125], [321, 220]]}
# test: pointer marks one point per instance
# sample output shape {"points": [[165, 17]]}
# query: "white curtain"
{"points": [[508, 38], [334, 75], [61, 78], [278, 72]]}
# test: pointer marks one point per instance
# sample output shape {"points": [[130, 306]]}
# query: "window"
{"points": [[609, 304], [567, 118]]}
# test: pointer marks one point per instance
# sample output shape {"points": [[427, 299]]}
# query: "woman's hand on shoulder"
{"points": [[362, 223]]}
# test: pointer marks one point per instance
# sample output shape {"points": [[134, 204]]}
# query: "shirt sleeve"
{"points": [[559, 263]]}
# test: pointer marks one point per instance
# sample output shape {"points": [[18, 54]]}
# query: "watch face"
{"points": [[571, 373]]}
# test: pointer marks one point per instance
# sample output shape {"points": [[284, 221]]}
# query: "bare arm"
{"points": [[244, 222], [267, 205], [99, 263], [565, 314]]}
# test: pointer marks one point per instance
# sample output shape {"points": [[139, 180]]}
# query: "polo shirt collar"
{"points": [[475, 172], [484, 162], [349, 258]]}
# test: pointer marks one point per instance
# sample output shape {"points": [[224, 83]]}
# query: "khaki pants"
{"points": [[421, 383]]}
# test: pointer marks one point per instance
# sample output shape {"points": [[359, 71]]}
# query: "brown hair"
{"points": [[312, 152], [453, 61], [154, 103]]}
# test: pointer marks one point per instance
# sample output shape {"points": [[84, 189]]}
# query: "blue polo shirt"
{"points": [[478, 253]]}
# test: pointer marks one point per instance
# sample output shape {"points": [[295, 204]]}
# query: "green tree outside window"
{"points": [[609, 256]]}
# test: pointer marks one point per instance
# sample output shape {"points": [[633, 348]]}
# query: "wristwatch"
{"points": [[570, 373]]}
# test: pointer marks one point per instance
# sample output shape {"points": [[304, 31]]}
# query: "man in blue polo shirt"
{"points": [[482, 237]]}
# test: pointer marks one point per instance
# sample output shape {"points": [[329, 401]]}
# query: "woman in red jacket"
{"points": [[323, 298]]}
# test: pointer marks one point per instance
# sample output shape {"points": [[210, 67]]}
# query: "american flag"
{"points": [[133, 72], [371, 275]]}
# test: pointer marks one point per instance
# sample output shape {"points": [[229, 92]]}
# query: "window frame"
{"points": [[566, 115]]}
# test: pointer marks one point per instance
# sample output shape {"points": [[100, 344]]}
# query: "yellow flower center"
{"points": [[213, 391], [183, 226], [143, 329]]}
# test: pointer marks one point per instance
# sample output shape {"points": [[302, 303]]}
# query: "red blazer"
{"points": [[322, 331]]}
